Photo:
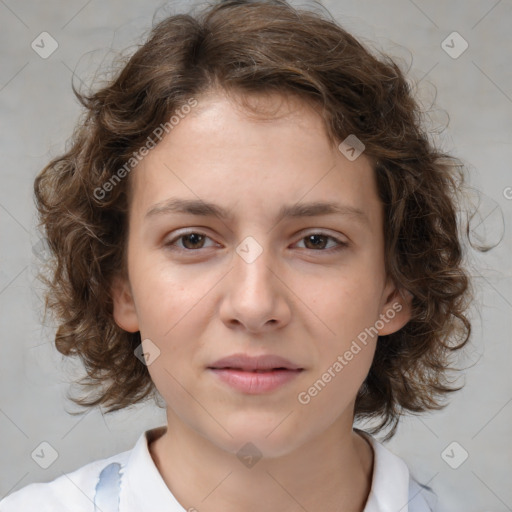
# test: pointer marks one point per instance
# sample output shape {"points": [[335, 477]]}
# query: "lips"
{"points": [[254, 375], [258, 364]]}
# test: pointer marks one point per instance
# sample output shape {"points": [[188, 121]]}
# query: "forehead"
{"points": [[275, 152]]}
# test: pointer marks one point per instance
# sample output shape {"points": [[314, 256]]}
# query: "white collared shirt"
{"points": [[131, 482]]}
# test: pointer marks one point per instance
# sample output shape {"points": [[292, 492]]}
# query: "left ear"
{"points": [[396, 311]]}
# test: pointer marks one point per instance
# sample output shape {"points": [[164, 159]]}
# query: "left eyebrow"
{"points": [[206, 209]]}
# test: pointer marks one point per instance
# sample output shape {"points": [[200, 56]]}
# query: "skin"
{"points": [[302, 301]]}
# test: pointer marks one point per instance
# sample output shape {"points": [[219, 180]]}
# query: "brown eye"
{"points": [[319, 241], [316, 241], [191, 241]]}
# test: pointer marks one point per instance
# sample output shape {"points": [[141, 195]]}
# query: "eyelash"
{"points": [[171, 244]]}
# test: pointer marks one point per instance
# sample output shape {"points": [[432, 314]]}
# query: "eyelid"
{"points": [[179, 234], [341, 244]]}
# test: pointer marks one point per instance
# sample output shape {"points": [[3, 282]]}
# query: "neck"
{"points": [[329, 473]]}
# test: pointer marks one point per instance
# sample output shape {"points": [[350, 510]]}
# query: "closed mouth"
{"points": [[267, 370]]}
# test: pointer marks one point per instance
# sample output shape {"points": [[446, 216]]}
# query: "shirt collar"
{"points": [[148, 491], [390, 480]]}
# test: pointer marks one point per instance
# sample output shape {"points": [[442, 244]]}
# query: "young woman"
{"points": [[252, 225]]}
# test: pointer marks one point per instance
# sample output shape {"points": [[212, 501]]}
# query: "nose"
{"points": [[255, 295]]}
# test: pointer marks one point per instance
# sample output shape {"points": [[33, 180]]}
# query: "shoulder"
{"points": [[68, 492], [393, 487], [422, 498]]}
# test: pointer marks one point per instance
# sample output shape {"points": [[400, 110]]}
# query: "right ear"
{"points": [[125, 314]]}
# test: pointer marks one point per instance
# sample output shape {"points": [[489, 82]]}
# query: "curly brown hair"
{"points": [[258, 47]]}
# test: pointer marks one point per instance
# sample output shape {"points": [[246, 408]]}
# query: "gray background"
{"points": [[38, 112]]}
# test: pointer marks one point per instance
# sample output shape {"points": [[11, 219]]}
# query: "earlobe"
{"points": [[124, 312], [396, 312]]}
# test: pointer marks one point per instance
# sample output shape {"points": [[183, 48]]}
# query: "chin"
{"points": [[268, 437]]}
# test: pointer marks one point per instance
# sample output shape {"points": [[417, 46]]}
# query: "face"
{"points": [[302, 286]]}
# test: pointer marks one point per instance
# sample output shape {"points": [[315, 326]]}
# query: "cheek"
{"points": [[176, 369], [332, 389], [345, 359], [345, 343], [166, 296], [345, 305]]}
